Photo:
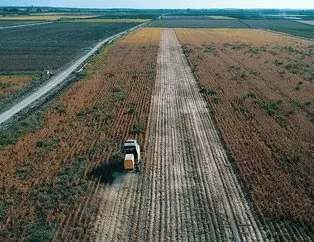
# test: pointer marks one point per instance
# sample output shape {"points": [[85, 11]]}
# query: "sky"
{"points": [[295, 4]]}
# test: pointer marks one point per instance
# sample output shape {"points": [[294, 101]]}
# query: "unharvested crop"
{"points": [[49, 177], [264, 112], [13, 83]]}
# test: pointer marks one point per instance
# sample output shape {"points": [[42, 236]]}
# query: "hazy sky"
{"points": [[306, 4]]}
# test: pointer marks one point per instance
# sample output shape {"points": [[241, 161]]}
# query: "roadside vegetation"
{"points": [[13, 83]]}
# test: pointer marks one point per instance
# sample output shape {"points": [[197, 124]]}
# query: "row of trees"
{"points": [[20, 10]]}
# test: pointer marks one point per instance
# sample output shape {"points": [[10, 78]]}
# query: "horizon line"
{"points": [[99, 8]]}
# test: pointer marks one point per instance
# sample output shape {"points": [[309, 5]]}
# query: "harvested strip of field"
{"points": [[50, 177], [190, 191], [52, 46], [13, 83], [260, 87]]}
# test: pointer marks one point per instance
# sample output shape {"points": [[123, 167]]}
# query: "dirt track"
{"points": [[188, 190]]}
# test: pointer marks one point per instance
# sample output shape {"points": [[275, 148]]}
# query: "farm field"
{"points": [[44, 17], [8, 23], [310, 22], [291, 27], [52, 46], [224, 114], [285, 26], [197, 23], [50, 176], [260, 87], [186, 178], [113, 20], [175, 198], [220, 17], [184, 17]]}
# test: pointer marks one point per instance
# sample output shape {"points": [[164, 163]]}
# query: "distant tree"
{"points": [[38, 10], [13, 10]]}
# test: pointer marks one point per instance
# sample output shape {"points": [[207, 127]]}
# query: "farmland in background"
{"points": [[310, 22], [51, 46], [44, 17], [130, 14], [285, 26], [260, 87], [4, 23], [188, 22], [246, 13], [220, 17], [49, 176], [112, 20], [184, 17]]}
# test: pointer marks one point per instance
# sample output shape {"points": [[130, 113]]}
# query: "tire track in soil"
{"points": [[189, 190]]}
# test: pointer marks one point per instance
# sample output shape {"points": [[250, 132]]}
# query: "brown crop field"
{"points": [[13, 83], [49, 178], [260, 87]]}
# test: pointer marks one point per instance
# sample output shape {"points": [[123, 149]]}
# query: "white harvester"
{"points": [[131, 155]]}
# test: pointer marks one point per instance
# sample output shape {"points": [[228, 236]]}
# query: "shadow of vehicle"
{"points": [[107, 173]]}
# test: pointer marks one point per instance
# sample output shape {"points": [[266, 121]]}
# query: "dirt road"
{"points": [[188, 190], [57, 79]]}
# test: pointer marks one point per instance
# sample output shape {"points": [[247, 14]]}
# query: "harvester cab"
{"points": [[132, 155]]}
